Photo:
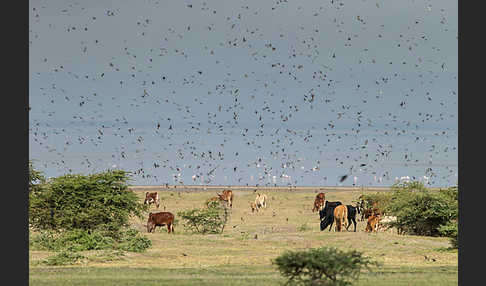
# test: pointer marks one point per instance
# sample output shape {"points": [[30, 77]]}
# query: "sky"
{"points": [[246, 92]]}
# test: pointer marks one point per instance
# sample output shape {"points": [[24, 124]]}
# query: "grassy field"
{"points": [[243, 254]]}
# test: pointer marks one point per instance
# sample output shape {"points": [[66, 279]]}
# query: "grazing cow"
{"points": [[340, 217], [152, 198], [352, 215], [385, 223], [261, 201], [319, 202], [226, 196], [160, 219], [327, 214], [372, 222]]}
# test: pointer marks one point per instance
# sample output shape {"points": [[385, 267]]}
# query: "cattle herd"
{"points": [[336, 213], [330, 213]]}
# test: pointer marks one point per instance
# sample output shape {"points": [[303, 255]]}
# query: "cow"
{"points": [[352, 215], [160, 219], [326, 215], [152, 198], [226, 196], [373, 220], [261, 201], [340, 217], [319, 202]]}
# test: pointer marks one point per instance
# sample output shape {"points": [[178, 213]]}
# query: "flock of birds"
{"points": [[219, 97]]}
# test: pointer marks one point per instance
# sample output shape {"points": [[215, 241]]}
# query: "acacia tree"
{"points": [[87, 202], [322, 266], [421, 211], [206, 220]]}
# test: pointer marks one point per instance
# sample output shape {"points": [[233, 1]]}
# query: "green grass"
{"points": [[237, 258], [234, 275]]}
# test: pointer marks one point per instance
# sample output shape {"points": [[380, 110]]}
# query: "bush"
{"points": [[72, 240], [205, 220], [322, 266], [82, 240], [420, 211], [134, 241], [85, 202]]}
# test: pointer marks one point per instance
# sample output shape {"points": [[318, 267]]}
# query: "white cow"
{"points": [[260, 201]]}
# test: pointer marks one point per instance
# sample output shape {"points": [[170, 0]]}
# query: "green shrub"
{"points": [[420, 211], [134, 241], [322, 266], [82, 240], [205, 220], [85, 202]]}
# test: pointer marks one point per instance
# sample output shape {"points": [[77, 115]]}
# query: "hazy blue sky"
{"points": [[245, 92]]}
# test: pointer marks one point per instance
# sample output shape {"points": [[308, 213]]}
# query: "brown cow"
{"points": [[319, 202], [152, 198], [340, 217], [226, 196], [372, 223], [160, 219]]}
